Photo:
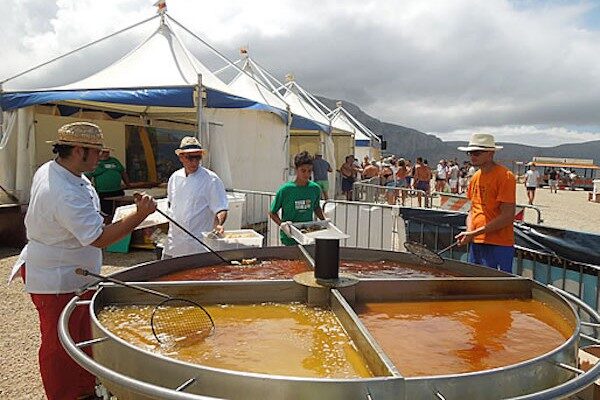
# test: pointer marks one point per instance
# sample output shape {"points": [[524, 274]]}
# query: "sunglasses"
{"points": [[194, 158], [476, 153]]}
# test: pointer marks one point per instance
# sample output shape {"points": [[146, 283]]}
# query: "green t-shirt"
{"points": [[107, 175], [297, 204]]}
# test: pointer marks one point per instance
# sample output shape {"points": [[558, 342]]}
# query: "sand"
{"points": [[19, 336]]}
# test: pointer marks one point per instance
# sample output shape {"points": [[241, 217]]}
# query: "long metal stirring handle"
{"points": [[445, 249], [192, 235], [10, 195], [137, 195], [85, 272], [307, 256]]}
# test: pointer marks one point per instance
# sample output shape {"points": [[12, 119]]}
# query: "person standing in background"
{"points": [[441, 175], [532, 181], [422, 177], [553, 177], [349, 171], [371, 170], [321, 168], [107, 177], [453, 173]]}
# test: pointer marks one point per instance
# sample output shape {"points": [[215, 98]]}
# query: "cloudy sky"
{"points": [[526, 70]]}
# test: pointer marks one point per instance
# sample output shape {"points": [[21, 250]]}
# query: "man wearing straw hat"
{"points": [[65, 230], [197, 200], [492, 192]]}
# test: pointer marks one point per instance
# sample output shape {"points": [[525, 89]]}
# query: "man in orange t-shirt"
{"points": [[492, 192]]}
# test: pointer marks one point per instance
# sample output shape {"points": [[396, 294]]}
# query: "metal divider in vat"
{"points": [[144, 365]]}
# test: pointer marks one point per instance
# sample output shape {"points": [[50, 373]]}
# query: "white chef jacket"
{"points": [[194, 200], [62, 219]]}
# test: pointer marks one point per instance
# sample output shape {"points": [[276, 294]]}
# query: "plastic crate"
{"points": [[233, 239]]}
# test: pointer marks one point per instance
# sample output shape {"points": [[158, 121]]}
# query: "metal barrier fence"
{"points": [[577, 278], [380, 194], [439, 195], [369, 225]]}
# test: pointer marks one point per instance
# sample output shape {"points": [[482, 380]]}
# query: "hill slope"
{"points": [[411, 143]]}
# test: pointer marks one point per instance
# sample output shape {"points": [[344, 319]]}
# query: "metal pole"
{"points": [[202, 133], [1, 110]]}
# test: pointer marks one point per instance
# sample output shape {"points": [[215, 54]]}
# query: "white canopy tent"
{"points": [[157, 84], [309, 128]]}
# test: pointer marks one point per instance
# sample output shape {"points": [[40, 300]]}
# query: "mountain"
{"points": [[411, 143]]}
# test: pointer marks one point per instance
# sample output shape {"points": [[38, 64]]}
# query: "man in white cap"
{"points": [[65, 230], [197, 201], [492, 192]]}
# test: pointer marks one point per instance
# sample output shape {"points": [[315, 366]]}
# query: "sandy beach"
{"points": [[19, 378]]}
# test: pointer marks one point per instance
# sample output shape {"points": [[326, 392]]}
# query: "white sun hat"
{"points": [[189, 144], [481, 141]]}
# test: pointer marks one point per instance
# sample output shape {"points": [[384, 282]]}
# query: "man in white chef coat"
{"points": [[197, 201], [65, 230]]}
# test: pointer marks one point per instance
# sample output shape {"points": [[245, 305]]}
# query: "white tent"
{"points": [[309, 128], [272, 132], [365, 141], [157, 84]]}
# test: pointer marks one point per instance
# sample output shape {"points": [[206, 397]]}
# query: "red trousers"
{"points": [[62, 377]]}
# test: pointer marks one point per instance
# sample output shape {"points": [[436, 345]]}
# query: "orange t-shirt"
{"points": [[486, 192]]}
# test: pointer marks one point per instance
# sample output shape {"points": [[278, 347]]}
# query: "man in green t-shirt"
{"points": [[107, 179], [297, 199]]}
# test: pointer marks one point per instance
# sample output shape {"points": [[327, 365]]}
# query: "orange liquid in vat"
{"points": [[448, 337], [281, 339], [286, 269], [268, 269]]}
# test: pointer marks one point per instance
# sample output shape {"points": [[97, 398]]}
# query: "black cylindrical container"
{"points": [[327, 258]]}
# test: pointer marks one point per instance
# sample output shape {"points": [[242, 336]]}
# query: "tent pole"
{"points": [[211, 48], [286, 146], [202, 131], [1, 110]]}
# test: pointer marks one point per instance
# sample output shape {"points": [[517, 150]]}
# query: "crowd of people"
{"points": [[401, 175]]}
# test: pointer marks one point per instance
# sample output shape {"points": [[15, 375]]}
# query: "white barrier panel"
{"points": [[234, 214], [370, 227]]}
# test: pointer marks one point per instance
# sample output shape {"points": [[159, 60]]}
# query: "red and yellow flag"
{"points": [[162, 6]]}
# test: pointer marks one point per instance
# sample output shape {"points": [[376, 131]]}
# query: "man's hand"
{"points": [[286, 228], [219, 230], [145, 204], [464, 237]]}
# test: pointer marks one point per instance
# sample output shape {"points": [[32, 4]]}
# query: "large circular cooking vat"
{"points": [[134, 371]]}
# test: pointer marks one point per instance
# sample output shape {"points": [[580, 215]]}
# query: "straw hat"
{"points": [[189, 144], [84, 134], [481, 141]]}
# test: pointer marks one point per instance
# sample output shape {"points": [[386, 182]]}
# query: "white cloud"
{"points": [[525, 134], [433, 65]]}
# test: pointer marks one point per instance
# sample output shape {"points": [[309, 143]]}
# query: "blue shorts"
{"points": [[347, 184], [493, 256]]}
